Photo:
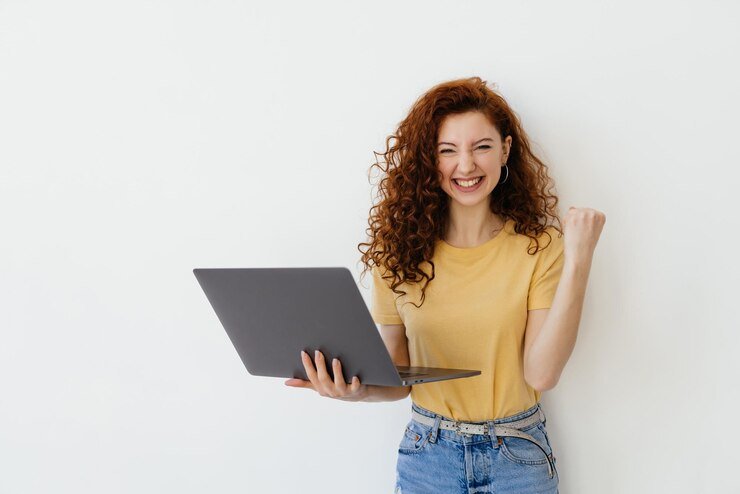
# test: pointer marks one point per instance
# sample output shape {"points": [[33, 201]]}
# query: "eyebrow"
{"points": [[476, 142]]}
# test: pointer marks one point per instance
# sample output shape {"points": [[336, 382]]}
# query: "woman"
{"points": [[465, 202]]}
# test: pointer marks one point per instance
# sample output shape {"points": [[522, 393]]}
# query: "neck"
{"points": [[470, 226]]}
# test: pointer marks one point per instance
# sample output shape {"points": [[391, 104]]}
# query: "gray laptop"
{"points": [[271, 314]]}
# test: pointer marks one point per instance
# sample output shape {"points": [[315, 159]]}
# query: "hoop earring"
{"points": [[507, 174]]}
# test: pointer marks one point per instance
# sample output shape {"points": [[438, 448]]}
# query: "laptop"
{"points": [[271, 314]]}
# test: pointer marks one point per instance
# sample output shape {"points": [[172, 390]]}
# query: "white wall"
{"points": [[139, 140]]}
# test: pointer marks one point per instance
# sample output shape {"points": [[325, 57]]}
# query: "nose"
{"points": [[466, 163]]}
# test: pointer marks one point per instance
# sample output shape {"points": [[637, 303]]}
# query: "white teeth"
{"points": [[469, 183]]}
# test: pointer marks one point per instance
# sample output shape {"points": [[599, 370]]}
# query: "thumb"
{"points": [[297, 383]]}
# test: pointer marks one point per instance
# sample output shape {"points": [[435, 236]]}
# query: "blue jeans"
{"points": [[433, 460]]}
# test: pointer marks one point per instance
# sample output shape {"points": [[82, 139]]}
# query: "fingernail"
{"points": [[334, 361], [316, 354], [303, 354]]}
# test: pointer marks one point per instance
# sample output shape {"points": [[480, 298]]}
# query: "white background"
{"points": [[139, 140]]}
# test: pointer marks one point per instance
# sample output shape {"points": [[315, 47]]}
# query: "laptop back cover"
{"points": [[271, 314]]}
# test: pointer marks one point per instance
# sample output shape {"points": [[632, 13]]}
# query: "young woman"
{"points": [[468, 272]]}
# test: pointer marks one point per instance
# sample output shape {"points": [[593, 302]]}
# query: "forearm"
{"points": [[557, 338], [385, 393]]}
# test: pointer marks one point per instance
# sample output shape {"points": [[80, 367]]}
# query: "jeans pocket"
{"points": [[542, 428], [524, 451], [415, 437]]}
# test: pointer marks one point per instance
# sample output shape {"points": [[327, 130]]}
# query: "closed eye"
{"points": [[485, 146]]}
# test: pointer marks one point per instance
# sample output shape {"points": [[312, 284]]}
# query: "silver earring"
{"points": [[507, 174]]}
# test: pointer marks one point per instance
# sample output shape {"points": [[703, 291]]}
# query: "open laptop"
{"points": [[271, 314]]}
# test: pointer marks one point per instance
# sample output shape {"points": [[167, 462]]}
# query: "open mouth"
{"points": [[468, 185]]}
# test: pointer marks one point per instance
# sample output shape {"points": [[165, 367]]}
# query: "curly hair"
{"points": [[412, 211]]}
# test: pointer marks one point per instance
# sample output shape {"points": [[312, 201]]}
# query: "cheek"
{"points": [[445, 171], [444, 180]]}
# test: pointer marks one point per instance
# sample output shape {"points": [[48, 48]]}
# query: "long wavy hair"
{"points": [[412, 209]]}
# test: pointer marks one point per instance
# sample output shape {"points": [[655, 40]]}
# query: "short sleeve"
{"points": [[547, 271], [383, 309]]}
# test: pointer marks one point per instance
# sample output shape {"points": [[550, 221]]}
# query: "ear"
{"points": [[507, 144]]}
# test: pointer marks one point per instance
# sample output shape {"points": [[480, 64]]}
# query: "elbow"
{"points": [[542, 383], [547, 385]]}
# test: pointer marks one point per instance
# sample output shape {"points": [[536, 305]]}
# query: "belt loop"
{"points": [[542, 414], [492, 433], [435, 428]]}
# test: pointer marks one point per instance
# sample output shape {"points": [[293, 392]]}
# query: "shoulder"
{"points": [[547, 242], [551, 235]]}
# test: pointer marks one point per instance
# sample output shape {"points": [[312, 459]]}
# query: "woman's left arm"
{"points": [[551, 333]]}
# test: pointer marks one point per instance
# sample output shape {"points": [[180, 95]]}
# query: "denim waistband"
{"points": [[511, 418]]}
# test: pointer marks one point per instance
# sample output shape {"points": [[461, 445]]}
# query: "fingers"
{"points": [[318, 376], [310, 371], [339, 385], [320, 380], [327, 385], [299, 383], [355, 390], [355, 386]]}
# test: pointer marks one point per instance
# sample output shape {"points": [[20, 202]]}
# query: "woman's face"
{"points": [[468, 147]]}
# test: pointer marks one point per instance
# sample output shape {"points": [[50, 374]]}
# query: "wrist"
{"points": [[576, 265]]}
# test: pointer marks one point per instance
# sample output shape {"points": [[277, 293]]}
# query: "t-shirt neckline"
{"points": [[473, 251]]}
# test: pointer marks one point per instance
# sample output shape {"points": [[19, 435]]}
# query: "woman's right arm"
{"points": [[394, 337]]}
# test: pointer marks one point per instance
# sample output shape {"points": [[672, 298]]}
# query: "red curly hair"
{"points": [[412, 212]]}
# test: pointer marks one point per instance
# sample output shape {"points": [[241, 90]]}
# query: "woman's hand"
{"points": [[320, 381], [581, 229]]}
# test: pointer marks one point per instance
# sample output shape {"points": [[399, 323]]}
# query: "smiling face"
{"points": [[468, 147]]}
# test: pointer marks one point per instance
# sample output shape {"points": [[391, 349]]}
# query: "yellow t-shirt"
{"points": [[474, 317]]}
